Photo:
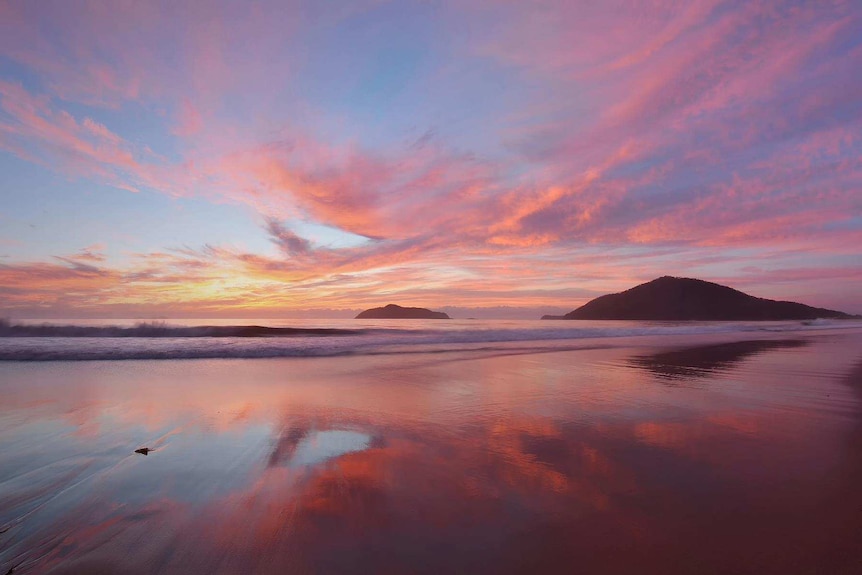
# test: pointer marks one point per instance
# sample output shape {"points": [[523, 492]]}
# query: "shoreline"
{"points": [[372, 341]]}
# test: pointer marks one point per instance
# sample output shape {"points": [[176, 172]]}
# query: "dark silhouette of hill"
{"points": [[673, 299], [393, 311]]}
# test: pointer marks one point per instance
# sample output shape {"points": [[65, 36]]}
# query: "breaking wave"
{"points": [[162, 329]]}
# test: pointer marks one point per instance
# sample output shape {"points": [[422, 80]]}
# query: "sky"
{"points": [[505, 159]]}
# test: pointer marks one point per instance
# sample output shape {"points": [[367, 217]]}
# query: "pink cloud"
{"points": [[189, 120], [42, 132], [706, 126]]}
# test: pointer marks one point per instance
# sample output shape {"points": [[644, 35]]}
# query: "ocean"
{"points": [[460, 446], [71, 340]]}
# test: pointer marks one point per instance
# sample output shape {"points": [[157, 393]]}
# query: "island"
{"points": [[393, 311], [678, 299]]}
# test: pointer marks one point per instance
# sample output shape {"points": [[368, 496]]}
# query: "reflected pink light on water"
{"points": [[461, 461]]}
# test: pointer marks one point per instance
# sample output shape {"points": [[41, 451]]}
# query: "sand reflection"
{"points": [[386, 465], [701, 361]]}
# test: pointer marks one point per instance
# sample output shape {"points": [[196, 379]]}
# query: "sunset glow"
{"points": [[178, 159]]}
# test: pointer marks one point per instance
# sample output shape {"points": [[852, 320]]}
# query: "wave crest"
{"points": [[161, 329], [162, 341]]}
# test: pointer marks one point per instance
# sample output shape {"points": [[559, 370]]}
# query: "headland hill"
{"points": [[686, 299], [393, 311]]}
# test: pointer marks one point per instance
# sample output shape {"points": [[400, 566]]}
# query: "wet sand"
{"points": [[703, 455]]}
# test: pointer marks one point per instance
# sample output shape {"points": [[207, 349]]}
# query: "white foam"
{"points": [[161, 344]]}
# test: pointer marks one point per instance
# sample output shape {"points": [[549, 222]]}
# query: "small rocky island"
{"points": [[393, 311], [677, 299]]}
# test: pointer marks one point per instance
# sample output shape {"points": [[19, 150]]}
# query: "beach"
{"points": [[712, 450], [430, 287]]}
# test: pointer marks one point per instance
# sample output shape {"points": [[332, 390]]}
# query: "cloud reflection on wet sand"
{"points": [[527, 463]]}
